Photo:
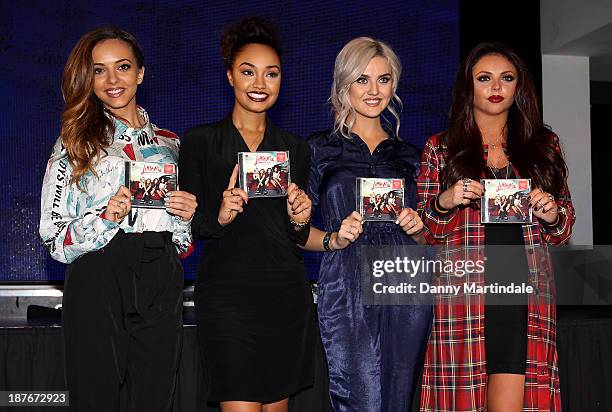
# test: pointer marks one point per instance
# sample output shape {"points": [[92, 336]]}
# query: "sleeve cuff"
{"points": [[299, 237], [554, 227], [103, 224], [438, 212]]}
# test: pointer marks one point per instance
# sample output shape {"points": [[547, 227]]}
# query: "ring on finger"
{"points": [[551, 197]]}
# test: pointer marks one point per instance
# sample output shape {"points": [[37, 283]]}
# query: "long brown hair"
{"points": [[529, 143], [86, 130]]}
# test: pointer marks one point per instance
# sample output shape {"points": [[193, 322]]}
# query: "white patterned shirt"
{"points": [[71, 223]]}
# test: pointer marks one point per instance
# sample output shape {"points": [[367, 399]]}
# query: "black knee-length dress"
{"points": [[253, 302]]}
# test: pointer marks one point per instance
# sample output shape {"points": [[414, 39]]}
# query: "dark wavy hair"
{"points": [[530, 144], [248, 31], [85, 130]]}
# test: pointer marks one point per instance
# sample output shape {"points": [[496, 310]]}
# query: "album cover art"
{"points": [[264, 174], [380, 199], [150, 182], [505, 201]]}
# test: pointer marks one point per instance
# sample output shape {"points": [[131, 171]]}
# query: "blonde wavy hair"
{"points": [[350, 64]]}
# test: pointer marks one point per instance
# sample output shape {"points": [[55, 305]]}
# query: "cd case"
{"points": [[264, 174], [505, 201], [380, 199], [150, 182]]}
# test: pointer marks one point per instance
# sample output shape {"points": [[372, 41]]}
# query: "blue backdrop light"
{"points": [[185, 82]]}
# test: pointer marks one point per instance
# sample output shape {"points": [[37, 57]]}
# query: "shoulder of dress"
{"points": [[59, 150], [435, 140], [408, 148], [290, 138], [320, 136], [164, 133], [205, 130]]}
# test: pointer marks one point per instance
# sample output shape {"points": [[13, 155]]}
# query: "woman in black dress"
{"points": [[253, 302]]}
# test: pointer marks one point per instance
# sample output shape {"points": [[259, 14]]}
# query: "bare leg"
{"points": [[505, 392], [279, 406], [240, 406]]}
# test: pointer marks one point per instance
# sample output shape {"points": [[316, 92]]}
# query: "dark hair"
{"points": [[530, 144], [248, 31], [85, 130]]}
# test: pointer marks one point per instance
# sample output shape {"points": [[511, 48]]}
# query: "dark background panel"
{"points": [[516, 24]]}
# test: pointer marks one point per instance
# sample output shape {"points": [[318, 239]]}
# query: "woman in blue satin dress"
{"points": [[374, 352]]}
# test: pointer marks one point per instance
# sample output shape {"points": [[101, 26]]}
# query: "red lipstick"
{"points": [[495, 98]]}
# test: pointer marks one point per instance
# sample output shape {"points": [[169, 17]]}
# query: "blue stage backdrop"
{"points": [[185, 82]]}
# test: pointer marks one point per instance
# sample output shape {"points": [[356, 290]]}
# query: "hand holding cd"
{"points": [[350, 229], [410, 222], [299, 205], [118, 205], [461, 193], [233, 201], [544, 205]]}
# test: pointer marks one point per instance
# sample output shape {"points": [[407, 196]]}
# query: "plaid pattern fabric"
{"points": [[455, 373]]}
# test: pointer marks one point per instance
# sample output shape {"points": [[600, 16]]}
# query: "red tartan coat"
{"points": [[455, 370]]}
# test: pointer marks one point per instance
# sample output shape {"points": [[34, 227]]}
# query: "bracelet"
{"points": [[299, 225], [419, 232], [326, 240], [439, 207], [553, 224]]}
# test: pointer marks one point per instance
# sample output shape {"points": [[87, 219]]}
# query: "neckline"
{"points": [[240, 138], [507, 168], [390, 138]]}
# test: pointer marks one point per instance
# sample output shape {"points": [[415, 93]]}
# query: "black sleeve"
{"points": [[300, 171], [192, 156]]}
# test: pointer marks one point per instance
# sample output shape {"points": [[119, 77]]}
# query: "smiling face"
{"points": [[255, 77], [494, 79], [371, 92], [116, 75]]}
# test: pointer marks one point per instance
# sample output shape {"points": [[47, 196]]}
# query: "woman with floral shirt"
{"points": [[122, 307]]}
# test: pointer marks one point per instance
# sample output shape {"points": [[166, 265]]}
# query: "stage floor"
{"points": [[32, 356]]}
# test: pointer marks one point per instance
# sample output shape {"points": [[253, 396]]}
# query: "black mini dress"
{"points": [[505, 316]]}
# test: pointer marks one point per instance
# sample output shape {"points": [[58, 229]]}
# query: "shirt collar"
{"points": [[392, 137], [123, 129]]}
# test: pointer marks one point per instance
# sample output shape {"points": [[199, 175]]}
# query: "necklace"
{"points": [[507, 171], [494, 145]]}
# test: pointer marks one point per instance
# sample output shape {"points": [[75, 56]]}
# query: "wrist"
{"points": [[439, 207], [327, 242], [112, 217], [333, 242], [554, 223], [299, 225]]}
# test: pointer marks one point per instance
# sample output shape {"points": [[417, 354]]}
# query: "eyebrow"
{"points": [[273, 66], [118, 61], [486, 72], [382, 75]]}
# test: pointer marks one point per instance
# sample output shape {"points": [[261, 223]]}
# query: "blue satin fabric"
{"points": [[374, 353]]}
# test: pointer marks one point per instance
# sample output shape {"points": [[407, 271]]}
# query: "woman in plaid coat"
{"points": [[495, 132]]}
